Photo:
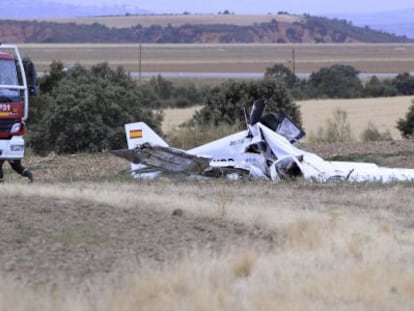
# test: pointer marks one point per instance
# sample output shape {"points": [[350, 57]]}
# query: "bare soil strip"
{"points": [[44, 239]]}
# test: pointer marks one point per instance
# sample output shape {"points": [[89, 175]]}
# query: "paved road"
{"points": [[240, 75], [233, 75]]}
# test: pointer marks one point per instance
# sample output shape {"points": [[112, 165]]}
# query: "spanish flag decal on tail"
{"points": [[135, 134], [139, 133]]}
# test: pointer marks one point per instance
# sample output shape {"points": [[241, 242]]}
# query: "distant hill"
{"points": [[29, 9], [299, 29], [399, 22]]}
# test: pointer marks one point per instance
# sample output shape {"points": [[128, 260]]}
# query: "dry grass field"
{"points": [[86, 237], [173, 117], [383, 112], [80, 244], [370, 58]]}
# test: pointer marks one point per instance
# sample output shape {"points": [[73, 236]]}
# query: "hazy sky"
{"points": [[257, 6]]}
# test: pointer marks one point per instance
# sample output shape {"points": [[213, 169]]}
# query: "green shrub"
{"points": [[404, 83], [282, 73], [379, 88], [336, 129], [371, 133], [230, 102], [406, 126], [337, 81], [86, 111]]}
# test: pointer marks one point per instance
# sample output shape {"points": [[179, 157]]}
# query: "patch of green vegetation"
{"points": [[21, 233], [88, 233], [111, 177], [85, 233]]}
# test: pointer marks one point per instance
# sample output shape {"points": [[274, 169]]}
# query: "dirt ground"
{"points": [[44, 239]]}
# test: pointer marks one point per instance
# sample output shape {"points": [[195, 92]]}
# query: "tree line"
{"points": [[340, 81]]}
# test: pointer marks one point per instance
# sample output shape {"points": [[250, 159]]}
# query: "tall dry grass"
{"points": [[337, 129], [341, 247]]}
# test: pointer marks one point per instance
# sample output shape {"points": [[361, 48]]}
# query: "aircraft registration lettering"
{"points": [[135, 133], [237, 142], [223, 160]]}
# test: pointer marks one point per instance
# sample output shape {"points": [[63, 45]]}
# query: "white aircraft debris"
{"points": [[265, 150]]}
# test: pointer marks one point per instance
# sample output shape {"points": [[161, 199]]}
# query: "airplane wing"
{"points": [[165, 159]]}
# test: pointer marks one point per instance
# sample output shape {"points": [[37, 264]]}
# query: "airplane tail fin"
{"points": [[139, 133]]}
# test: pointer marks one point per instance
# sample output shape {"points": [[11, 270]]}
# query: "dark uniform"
{"points": [[18, 168]]}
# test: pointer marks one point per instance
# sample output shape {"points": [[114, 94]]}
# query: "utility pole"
{"points": [[139, 37], [140, 59]]}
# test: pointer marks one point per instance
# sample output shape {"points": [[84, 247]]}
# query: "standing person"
{"points": [[18, 168]]}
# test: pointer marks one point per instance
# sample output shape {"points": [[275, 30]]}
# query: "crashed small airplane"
{"points": [[265, 150]]}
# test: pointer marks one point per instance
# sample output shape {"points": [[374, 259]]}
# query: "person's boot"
{"points": [[28, 174]]}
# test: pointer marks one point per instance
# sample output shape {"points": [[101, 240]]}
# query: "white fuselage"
{"points": [[262, 153]]}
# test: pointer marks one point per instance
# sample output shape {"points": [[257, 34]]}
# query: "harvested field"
{"points": [[369, 58], [174, 117], [382, 112]]}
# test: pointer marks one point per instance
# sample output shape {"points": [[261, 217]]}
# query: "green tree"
{"points": [[404, 83], [337, 81], [282, 73], [230, 102], [161, 93], [376, 88], [52, 79], [40, 104], [87, 110], [162, 87], [406, 126]]}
